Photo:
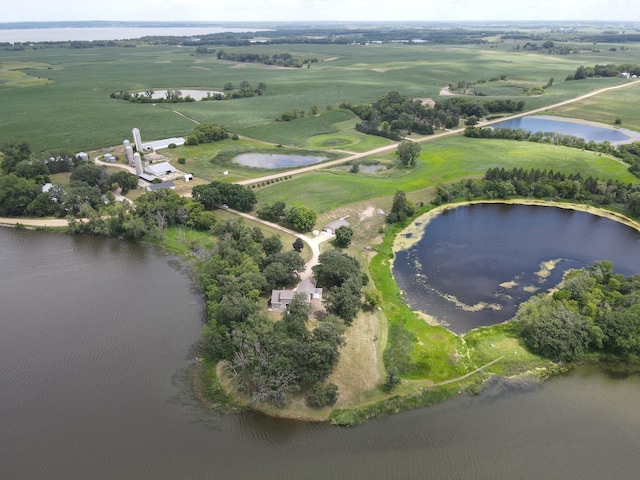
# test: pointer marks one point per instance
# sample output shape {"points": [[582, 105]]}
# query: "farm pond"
{"points": [[277, 160], [590, 131]]}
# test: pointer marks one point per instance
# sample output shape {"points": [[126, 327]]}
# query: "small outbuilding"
{"points": [[333, 226]]}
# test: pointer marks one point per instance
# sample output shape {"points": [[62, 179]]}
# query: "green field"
{"points": [[441, 160], [72, 109]]}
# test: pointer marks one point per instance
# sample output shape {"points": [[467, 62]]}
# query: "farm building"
{"points": [[160, 186], [162, 168]]}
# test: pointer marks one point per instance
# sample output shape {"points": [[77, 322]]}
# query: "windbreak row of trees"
{"points": [[279, 59], [593, 311], [499, 183]]}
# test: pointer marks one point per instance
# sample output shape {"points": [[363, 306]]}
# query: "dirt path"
{"points": [[34, 222]]}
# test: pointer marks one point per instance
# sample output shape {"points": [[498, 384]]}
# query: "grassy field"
{"points": [[441, 160], [72, 109]]}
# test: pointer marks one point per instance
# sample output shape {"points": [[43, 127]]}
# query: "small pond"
{"points": [[587, 130], [475, 264], [277, 160]]}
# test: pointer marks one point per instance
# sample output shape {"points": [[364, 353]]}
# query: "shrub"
{"points": [[322, 395], [182, 161]]}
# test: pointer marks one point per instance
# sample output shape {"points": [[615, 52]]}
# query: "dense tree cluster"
{"points": [[269, 360], [215, 194], [299, 218], [206, 133], [407, 152], [394, 114], [593, 310], [341, 275]]}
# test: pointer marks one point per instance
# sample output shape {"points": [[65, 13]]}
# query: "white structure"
{"points": [[162, 168], [333, 226], [137, 161], [109, 158], [128, 152], [137, 139], [83, 156], [164, 143], [188, 177]]}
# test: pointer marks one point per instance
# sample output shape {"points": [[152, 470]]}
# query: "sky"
{"points": [[320, 10]]}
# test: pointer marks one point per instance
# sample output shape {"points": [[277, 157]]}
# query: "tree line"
{"points": [[609, 70], [500, 183]]}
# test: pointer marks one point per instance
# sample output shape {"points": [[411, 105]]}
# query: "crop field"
{"points": [[59, 97]]}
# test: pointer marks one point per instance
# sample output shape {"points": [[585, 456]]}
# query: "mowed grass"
{"points": [[75, 111], [442, 160]]}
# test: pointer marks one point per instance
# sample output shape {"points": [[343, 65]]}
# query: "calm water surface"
{"points": [[95, 338], [566, 127], [475, 264], [275, 160]]}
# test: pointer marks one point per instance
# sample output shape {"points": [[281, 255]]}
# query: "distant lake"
{"points": [[475, 264], [590, 131], [275, 160], [108, 33]]}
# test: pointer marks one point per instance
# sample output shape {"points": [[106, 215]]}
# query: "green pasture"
{"points": [[442, 160], [73, 110]]}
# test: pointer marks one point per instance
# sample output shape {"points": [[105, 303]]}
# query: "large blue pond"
{"points": [[275, 160], [474, 265], [566, 127]]}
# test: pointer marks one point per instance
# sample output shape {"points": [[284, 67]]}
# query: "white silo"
{"points": [[138, 162], [128, 151], [137, 139]]}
